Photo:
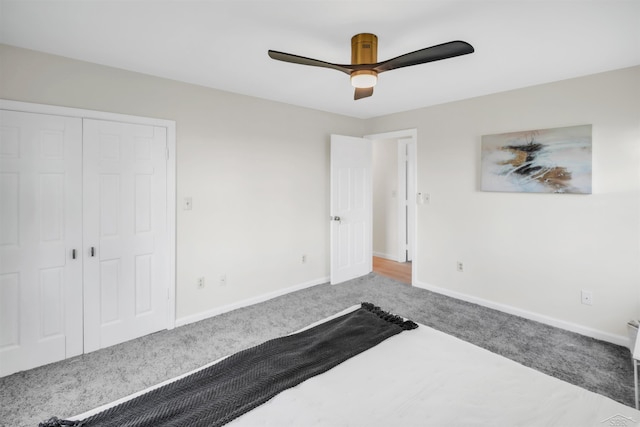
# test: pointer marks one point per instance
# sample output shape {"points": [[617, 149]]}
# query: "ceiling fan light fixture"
{"points": [[364, 50], [364, 78], [364, 67]]}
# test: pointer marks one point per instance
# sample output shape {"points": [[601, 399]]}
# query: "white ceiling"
{"points": [[223, 43]]}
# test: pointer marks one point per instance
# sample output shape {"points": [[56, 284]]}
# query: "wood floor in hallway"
{"points": [[400, 271]]}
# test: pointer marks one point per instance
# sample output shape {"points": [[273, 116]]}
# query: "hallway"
{"points": [[400, 271]]}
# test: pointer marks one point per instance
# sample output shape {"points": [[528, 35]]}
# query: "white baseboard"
{"points": [[247, 302], [385, 256], [562, 324], [569, 326]]}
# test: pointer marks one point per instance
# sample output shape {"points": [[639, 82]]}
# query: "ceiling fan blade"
{"points": [[429, 54], [295, 59], [362, 92]]}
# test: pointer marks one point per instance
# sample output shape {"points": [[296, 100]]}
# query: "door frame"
{"points": [[406, 203], [170, 125], [410, 136]]}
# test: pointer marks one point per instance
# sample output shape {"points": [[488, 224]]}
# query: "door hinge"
{"points": [[167, 153]]}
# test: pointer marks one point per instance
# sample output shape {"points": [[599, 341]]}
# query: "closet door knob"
{"points": [[93, 251], [73, 254]]}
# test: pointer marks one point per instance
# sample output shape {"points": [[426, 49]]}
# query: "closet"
{"points": [[85, 235]]}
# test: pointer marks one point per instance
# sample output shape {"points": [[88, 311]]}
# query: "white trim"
{"points": [[28, 107], [551, 321], [412, 222], [172, 206], [170, 125], [247, 302], [401, 199], [386, 256], [404, 133]]}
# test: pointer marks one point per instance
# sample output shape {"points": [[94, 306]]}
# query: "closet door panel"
{"points": [[40, 226], [125, 221]]}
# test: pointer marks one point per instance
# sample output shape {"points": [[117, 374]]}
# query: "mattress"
{"points": [[424, 377]]}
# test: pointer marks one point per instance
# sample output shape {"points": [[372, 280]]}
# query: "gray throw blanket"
{"points": [[222, 392]]}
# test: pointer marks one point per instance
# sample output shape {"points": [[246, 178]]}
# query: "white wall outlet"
{"points": [[587, 297], [187, 204], [200, 282], [223, 280], [303, 259], [459, 266]]}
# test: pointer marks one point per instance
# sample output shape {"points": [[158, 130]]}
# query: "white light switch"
{"points": [[187, 204], [423, 198]]}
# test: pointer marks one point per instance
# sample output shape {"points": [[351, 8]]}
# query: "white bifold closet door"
{"points": [[84, 244], [40, 213], [126, 279]]}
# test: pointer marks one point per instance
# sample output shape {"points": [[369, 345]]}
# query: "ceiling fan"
{"points": [[364, 68]]}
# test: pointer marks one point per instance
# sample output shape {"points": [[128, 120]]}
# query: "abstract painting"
{"points": [[554, 160]]}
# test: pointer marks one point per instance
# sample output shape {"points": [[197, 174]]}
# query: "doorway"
{"points": [[394, 177], [399, 271], [351, 207]]}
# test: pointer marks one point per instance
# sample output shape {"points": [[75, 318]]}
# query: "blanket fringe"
{"points": [[56, 422], [391, 318]]}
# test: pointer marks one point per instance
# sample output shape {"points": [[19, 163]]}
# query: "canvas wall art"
{"points": [[554, 160]]}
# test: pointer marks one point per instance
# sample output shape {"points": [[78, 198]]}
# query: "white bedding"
{"points": [[424, 377]]}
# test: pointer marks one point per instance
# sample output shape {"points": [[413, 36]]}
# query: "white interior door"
{"points": [[126, 245], [351, 208], [411, 198], [40, 240], [406, 199]]}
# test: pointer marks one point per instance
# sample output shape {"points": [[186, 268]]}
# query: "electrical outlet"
{"points": [[587, 297], [303, 259], [460, 266], [223, 280], [200, 282]]}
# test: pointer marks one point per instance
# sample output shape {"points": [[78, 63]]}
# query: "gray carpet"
{"points": [[81, 383]]}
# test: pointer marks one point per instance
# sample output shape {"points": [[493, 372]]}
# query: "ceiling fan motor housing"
{"points": [[364, 50]]}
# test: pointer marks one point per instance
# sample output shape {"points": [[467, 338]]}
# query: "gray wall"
{"points": [[258, 173], [533, 253]]}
